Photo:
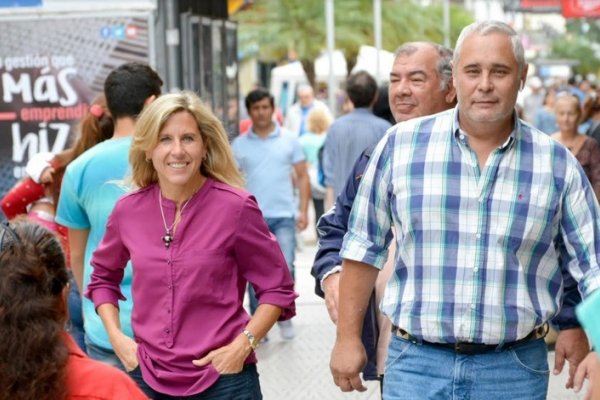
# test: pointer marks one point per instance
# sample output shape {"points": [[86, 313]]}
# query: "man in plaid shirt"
{"points": [[491, 216]]}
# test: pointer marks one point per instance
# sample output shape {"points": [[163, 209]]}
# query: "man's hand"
{"points": [[348, 358], [571, 345], [331, 287], [126, 349], [589, 368], [227, 359], [301, 221]]}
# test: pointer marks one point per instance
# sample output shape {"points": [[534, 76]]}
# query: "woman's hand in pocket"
{"points": [[227, 359], [126, 349]]}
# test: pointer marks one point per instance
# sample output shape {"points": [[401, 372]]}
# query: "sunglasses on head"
{"points": [[7, 231]]}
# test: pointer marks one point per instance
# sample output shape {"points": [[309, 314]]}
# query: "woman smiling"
{"points": [[195, 239]]}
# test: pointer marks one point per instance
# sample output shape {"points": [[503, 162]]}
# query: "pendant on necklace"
{"points": [[167, 239]]}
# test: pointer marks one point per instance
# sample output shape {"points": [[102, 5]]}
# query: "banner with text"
{"points": [[47, 84], [581, 8]]}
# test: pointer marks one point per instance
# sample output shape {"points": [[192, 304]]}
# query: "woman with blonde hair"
{"points": [[586, 149], [195, 239], [318, 122], [38, 359]]}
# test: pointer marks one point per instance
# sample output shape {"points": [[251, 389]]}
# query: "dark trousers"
{"points": [[241, 386]]}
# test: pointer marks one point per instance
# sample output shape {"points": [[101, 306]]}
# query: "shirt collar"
{"points": [[72, 346], [276, 132], [460, 135]]}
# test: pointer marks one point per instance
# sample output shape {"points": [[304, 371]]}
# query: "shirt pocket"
{"points": [[206, 276]]}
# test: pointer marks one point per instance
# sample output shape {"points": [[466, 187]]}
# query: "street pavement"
{"points": [[299, 369]]}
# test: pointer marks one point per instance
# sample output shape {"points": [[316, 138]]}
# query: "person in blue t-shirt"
{"points": [[90, 189], [269, 157]]}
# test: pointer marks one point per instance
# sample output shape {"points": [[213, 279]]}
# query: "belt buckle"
{"points": [[401, 333], [470, 348]]}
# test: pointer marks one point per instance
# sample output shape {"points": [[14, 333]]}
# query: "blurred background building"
{"points": [[55, 54]]}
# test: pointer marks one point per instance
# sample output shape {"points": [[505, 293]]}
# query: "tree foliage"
{"points": [[581, 44], [577, 48], [276, 30]]}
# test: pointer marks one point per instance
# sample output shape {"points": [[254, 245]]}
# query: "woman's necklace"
{"points": [[168, 237]]}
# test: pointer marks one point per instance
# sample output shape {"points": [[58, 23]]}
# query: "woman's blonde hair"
{"points": [[218, 164], [570, 98], [318, 121]]}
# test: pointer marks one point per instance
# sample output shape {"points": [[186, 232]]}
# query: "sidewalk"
{"points": [[299, 369]]}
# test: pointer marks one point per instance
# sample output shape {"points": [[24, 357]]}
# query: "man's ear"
{"points": [[451, 94], [149, 100], [524, 76]]}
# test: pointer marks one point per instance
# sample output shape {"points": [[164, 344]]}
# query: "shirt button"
{"points": [[475, 269], [472, 306], [168, 311], [167, 331], [462, 137], [478, 235]]}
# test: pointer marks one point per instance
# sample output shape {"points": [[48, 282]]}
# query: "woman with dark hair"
{"points": [[38, 359], [37, 195]]}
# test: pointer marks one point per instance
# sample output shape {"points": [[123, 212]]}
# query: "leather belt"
{"points": [[469, 348]]}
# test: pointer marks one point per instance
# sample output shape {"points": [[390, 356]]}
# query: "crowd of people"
{"points": [[448, 243]]}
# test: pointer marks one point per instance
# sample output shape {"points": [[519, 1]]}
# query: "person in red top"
{"points": [[38, 359], [37, 195]]}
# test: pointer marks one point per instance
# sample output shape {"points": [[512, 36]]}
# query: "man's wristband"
{"points": [[251, 339]]}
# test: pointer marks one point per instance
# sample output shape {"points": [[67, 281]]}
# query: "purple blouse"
{"points": [[589, 158], [188, 298]]}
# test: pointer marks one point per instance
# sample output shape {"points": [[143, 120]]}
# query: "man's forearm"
{"points": [[305, 195], [357, 281], [77, 243], [329, 197]]}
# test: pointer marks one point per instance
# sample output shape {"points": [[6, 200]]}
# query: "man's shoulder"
{"points": [[532, 134], [103, 151], [362, 115], [241, 138]]}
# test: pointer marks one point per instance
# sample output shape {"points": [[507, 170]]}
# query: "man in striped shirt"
{"points": [[490, 217]]}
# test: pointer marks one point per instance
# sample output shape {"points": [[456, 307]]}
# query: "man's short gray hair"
{"points": [[488, 27], [444, 65]]}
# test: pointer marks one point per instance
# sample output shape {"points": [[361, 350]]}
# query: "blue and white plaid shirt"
{"points": [[481, 254]]}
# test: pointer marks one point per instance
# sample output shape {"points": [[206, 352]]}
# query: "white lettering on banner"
{"points": [[10, 86], [63, 82], [33, 143], [45, 87]]}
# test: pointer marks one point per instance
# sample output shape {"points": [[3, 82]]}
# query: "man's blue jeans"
{"points": [[284, 230], [420, 371], [101, 354], [75, 323]]}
